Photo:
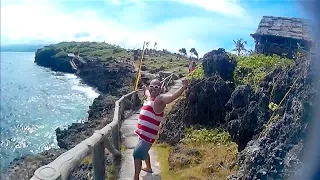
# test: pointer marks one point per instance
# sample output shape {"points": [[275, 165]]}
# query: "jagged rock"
{"points": [[107, 77], [204, 105], [156, 70], [206, 102], [249, 113], [173, 129], [220, 63], [276, 154], [48, 57]]}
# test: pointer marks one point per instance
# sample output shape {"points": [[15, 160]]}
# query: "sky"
{"points": [[203, 24]]}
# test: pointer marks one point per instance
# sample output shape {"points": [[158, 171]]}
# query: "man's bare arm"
{"points": [[168, 98]]}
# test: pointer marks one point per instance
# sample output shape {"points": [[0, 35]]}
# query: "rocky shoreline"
{"points": [[112, 80]]}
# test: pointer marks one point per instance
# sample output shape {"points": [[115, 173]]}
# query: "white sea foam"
{"points": [[90, 92]]}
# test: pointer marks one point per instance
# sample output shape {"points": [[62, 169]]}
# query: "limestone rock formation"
{"points": [[220, 63], [249, 111], [173, 129], [276, 154], [204, 105]]}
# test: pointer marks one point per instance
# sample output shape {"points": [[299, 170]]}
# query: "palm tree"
{"points": [[239, 46]]}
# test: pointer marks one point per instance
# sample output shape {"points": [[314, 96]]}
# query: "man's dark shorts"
{"points": [[141, 150]]}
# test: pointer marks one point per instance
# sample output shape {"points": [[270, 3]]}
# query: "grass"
{"points": [[168, 62], [214, 161], [123, 148], [102, 51]]}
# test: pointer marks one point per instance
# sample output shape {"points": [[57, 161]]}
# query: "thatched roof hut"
{"points": [[280, 35]]}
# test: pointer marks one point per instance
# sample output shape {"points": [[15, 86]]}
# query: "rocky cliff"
{"points": [[270, 142]]}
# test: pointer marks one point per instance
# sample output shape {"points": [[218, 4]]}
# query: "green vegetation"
{"points": [[183, 51], [203, 136], [204, 154], [198, 73], [252, 69], [123, 148], [87, 50], [87, 160], [111, 172], [168, 62]]}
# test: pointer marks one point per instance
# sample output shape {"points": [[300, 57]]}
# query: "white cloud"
{"points": [[226, 7], [29, 20]]}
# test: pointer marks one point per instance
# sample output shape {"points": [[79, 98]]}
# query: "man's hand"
{"points": [[145, 91], [185, 83], [144, 87]]}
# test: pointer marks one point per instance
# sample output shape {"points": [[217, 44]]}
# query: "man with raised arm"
{"points": [[151, 115]]}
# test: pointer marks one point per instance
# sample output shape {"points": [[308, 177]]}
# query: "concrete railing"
{"points": [[60, 168]]}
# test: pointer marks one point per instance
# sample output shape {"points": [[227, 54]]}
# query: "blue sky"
{"points": [[203, 24]]}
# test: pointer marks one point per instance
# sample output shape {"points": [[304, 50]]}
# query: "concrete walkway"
{"points": [[131, 139]]}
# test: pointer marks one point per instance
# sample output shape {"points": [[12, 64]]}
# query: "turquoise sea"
{"points": [[34, 102]]}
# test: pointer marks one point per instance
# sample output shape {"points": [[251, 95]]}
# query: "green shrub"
{"points": [[61, 54], [202, 136], [198, 73], [253, 69]]}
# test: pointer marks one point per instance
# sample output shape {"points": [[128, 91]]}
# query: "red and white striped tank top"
{"points": [[149, 122]]}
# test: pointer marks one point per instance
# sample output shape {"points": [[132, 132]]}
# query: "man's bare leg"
{"points": [[148, 164], [137, 168]]}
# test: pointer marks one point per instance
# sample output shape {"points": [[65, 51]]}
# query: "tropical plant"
{"points": [[239, 46], [198, 73], [253, 69]]}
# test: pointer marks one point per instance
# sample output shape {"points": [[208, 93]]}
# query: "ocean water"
{"points": [[34, 102]]}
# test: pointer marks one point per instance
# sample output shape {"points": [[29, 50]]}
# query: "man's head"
{"points": [[154, 87]]}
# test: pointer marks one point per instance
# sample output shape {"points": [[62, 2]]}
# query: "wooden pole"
{"points": [[99, 168], [139, 70]]}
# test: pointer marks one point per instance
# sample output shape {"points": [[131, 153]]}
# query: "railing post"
{"points": [[121, 110], [133, 100], [116, 137], [98, 163]]}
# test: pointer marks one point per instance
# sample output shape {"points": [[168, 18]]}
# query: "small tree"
{"points": [[240, 46], [193, 51], [184, 51]]}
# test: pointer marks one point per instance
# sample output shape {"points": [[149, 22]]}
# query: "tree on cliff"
{"points": [[239, 46], [193, 51], [183, 51]]}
